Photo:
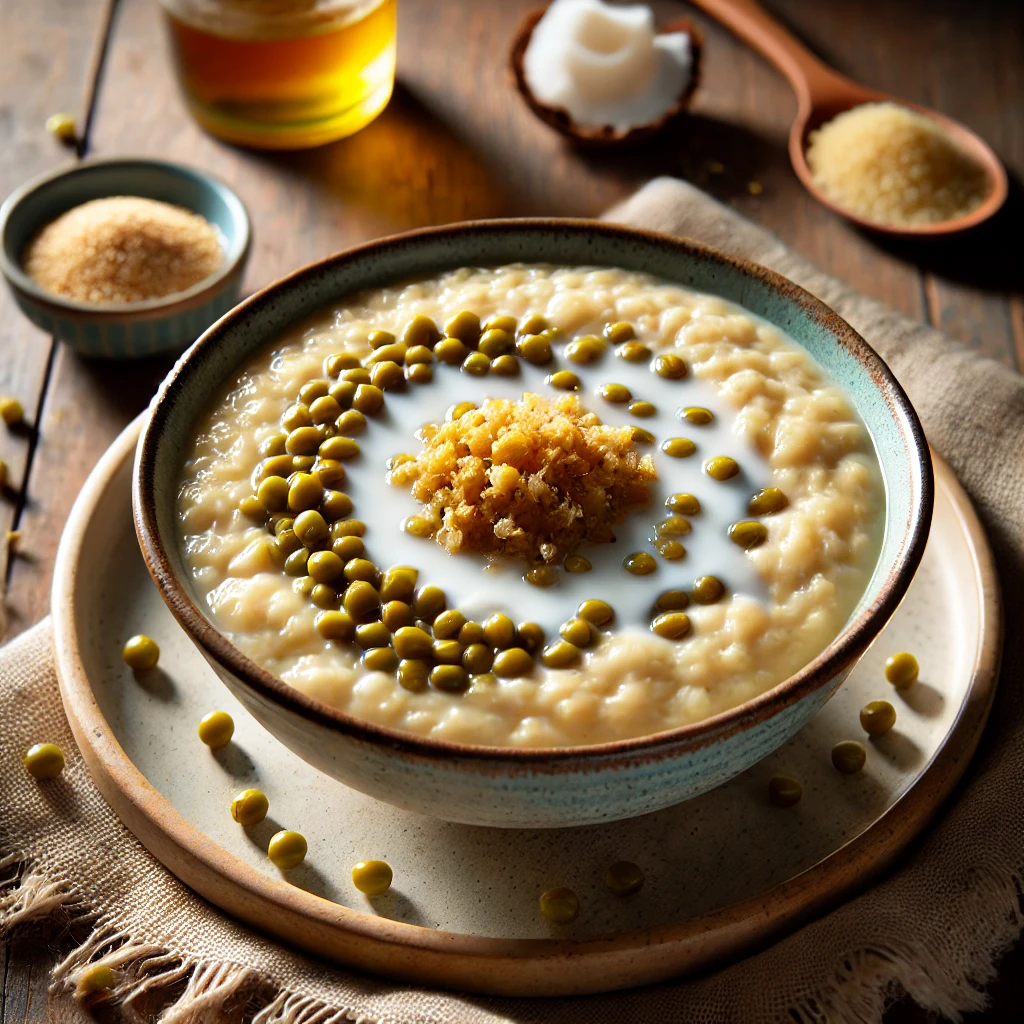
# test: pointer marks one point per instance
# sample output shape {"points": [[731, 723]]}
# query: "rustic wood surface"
{"points": [[457, 142]]}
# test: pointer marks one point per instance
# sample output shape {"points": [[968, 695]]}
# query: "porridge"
{"points": [[531, 506]]}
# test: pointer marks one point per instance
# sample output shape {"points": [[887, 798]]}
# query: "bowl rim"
{"points": [[840, 653], [236, 250]]}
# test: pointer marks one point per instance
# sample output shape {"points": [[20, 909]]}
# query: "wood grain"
{"points": [[456, 142], [965, 60], [50, 55], [980, 80], [26, 978]]}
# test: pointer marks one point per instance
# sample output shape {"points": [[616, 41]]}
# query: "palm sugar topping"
{"points": [[531, 479]]}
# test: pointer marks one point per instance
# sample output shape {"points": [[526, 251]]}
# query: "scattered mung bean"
{"points": [[624, 878], [560, 905], [249, 807], [44, 761], [849, 756], [216, 729], [902, 670], [287, 849], [141, 653], [784, 791], [877, 717], [372, 877]]}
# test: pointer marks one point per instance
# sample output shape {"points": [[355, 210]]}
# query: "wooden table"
{"points": [[457, 142]]}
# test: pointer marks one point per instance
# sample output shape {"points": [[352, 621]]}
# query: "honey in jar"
{"points": [[284, 74]]}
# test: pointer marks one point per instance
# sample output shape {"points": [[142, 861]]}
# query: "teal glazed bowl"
{"points": [[135, 329], [516, 787]]}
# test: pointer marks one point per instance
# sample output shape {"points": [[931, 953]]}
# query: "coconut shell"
{"points": [[606, 136]]}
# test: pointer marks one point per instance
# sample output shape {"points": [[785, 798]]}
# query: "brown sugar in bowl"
{"points": [[125, 330]]}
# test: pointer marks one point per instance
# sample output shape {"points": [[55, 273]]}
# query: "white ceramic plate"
{"points": [[723, 872]]}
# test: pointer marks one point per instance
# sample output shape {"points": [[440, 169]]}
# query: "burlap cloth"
{"points": [[933, 927]]}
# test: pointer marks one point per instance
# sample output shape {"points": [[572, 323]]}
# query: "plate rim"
{"points": [[497, 966]]}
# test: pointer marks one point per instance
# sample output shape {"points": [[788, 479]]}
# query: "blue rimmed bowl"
{"points": [[520, 787], [134, 329]]}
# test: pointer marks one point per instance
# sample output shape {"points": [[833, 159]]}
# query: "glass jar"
{"points": [[284, 74]]}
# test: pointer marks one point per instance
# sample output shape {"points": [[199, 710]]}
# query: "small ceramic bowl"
{"points": [[134, 329], [515, 787]]}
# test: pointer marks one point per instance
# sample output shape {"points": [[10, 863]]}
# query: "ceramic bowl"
{"points": [[134, 329], [516, 787]]}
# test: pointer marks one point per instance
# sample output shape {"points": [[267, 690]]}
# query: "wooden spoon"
{"points": [[823, 93]]}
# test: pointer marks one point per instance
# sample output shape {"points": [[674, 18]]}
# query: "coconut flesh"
{"points": [[606, 65]]}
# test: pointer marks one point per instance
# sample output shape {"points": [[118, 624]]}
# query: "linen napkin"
{"points": [[933, 927]]}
